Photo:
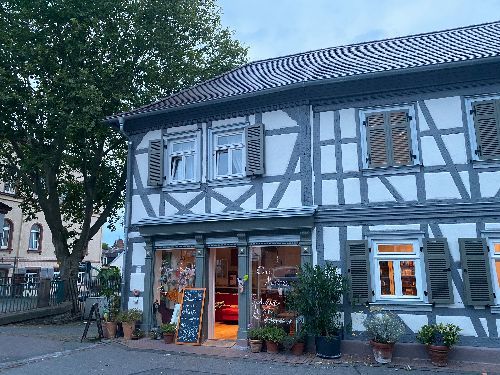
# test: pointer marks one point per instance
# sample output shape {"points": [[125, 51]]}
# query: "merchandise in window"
{"points": [[182, 160], [397, 271], [228, 152]]}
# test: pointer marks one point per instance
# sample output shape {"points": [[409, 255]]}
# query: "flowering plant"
{"points": [[439, 334], [384, 327]]}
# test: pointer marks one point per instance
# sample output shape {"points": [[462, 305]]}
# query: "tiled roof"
{"points": [[416, 51]]}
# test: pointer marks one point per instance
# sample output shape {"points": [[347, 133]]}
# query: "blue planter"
{"points": [[328, 346]]}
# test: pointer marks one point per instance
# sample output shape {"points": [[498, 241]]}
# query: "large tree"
{"points": [[67, 64]]}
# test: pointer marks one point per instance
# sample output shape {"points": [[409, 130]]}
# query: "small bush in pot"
{"points": [[129, 319], [273, 336], [255, 339], [168, 330], [439, 338], [294, 343], [384, 329]]}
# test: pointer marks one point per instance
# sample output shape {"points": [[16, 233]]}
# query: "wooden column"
{"points": [[201, 279], [147, 302], [305, 247], [243, 298]]}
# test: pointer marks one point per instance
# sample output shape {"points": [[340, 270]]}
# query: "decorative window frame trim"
{"points": [[221, 129], [40, 239], [415, 144], [492, 236], [182, 136]]}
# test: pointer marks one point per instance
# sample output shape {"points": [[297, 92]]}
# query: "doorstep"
{"points": [[407, 356]]}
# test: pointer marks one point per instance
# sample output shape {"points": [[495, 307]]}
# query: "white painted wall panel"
{"points": [[184, 197], [135, 303], [352, 194], [170, 210], [138, 254], [446, 112], [455, 143], [216, 206], [142, 163], [405, 185], [268, 190], [492, 226], [355, 233], [328, 164], [464, 175], [250, 203], [182, 128], [149, 136], [357, 319], [229, 121], [413, 321], [326, 129], [455, 231], [464, 322], [329, 192], [440, 186], [292, 196], [233, 192], [422, 123], [331, 243], [430, 152], [394, 227], [489, 183], [199, 208], [277, 120], [347, 123], [137, 281], [138, 210], [377, 192], [278, 150], [350, 157], [154, 199]]}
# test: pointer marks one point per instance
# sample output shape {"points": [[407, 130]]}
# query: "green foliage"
{"points": [[109, 281], [129, 316], [288, 342], [104, 246], [316, 295], [384, 327], [67, 64], [168, 328], [138, 333], [255, 334], [439, 334], [273, 334]]}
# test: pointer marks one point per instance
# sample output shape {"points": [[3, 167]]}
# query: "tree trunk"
{"points": [[69, 275]]}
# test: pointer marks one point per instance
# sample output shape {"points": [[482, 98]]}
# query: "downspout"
{"points": [[126, 224]]}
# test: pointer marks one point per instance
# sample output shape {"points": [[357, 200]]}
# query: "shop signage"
{"points": [[189, 325]]}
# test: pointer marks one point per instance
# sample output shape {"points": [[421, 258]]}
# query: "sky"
{"points": [[271, 28]]}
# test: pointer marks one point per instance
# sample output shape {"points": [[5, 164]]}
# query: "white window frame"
{"points": [[32, 239], [416, 256], [491, 241], [182, 138], [5, 239], [214, 148], [415, 149], [471, 129]]}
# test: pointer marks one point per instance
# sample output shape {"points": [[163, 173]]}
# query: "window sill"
{"points": [[495, 309], [403, 305], [240, 180], [182, 186], [34, 251], [389, 171], [6, 249], [485, 164]]}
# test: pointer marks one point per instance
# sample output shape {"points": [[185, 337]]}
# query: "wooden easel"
{"points": [[94, 310]]}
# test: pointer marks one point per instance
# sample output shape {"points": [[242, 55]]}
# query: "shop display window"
{"points": [[177, 272]]}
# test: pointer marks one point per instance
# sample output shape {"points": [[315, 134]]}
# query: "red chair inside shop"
{"points": [[226, 307]]}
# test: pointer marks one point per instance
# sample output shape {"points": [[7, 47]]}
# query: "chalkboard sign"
{"points": [[189, 325]]}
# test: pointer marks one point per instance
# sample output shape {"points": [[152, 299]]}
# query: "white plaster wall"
{"points": [[347, 123], [137, 281], [377, 192], [430, 152], [440, 186], [268, 191], [392, 228], [331, 243], [489, 183], [138, 210], [134, 184], [405, 185], [199, 208], [292, 196], [422, 123], [250, 203], [446, 112], [278, 150], [352, 194], [229, 121], [183, 128], [452, 232], [350, 157], [170, 210], [354, 233], [328, 163], [142, 164], [277, 120], [216, 206], [154, 199], [464, 322], [297, 166], [484, 323], [329, 192], [455, 143], [138, 254], [149, 136], [135, 303], [133, 234], [413, 321], [233, 192], [185, 197], [464, 176], [357, 320], [326, 129], [492, 226]]}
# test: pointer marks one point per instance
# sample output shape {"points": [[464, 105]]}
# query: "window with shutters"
{"points": [[484, 127], [397, 271], [182, 160], [494, 245], [228, 153], [389, 137]]}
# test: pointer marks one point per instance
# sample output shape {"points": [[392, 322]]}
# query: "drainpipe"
{"points": [[126, 224]]}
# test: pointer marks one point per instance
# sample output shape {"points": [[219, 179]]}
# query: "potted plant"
{"points": [[168, 330], [129, 319], [137, 334], [255, 339], [299, 343], [273, 336], [438, 338], [155, 333], [316, 295], [384, 329]]}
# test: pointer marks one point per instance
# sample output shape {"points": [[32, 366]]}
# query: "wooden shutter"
{"points": [[255, 149], [155, 163], [438, 271], [377, 143], [487, 125], [358, 268], [476, 271], [400, 149]]}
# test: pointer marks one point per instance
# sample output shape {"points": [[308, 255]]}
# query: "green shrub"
{"points": [[129, 316], [255, 334], [273, 334], [168, 328], [439, 334], [384, 327]]}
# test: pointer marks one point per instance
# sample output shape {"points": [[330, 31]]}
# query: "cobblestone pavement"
{"points": [[33, 349]]}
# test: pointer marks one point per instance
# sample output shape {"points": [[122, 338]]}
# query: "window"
{"points": [[228, 154], [495, 266], [182, 160], [35, 240], [485, 128], [9, 188], [6, 239], [389, 137], [397, 270]]}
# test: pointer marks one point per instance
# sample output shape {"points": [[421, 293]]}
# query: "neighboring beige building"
{"points": [[27, 245]]}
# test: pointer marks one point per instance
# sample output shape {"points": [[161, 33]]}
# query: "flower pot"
{"points": [[382, 352], [272, 347], [128, 329], [255, 346], [438, 355], [328, 346], [168, 338], [298, 348], [111, 328]]}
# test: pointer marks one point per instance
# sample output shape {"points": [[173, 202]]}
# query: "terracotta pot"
{"points": [[128, 328], [168, 338], [255, 346], [272, 347], [298, 348], [111, 329], [438, 355], [382, 352]]}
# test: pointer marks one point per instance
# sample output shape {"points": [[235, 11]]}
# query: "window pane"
{"points": [[175, 167], [408, 280], [395, 248], [497, 248], [189, 167], [497, 267], [237, 161], [387, 278], [229, 139], [5, 234], [183, 146], [222, 163]]}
